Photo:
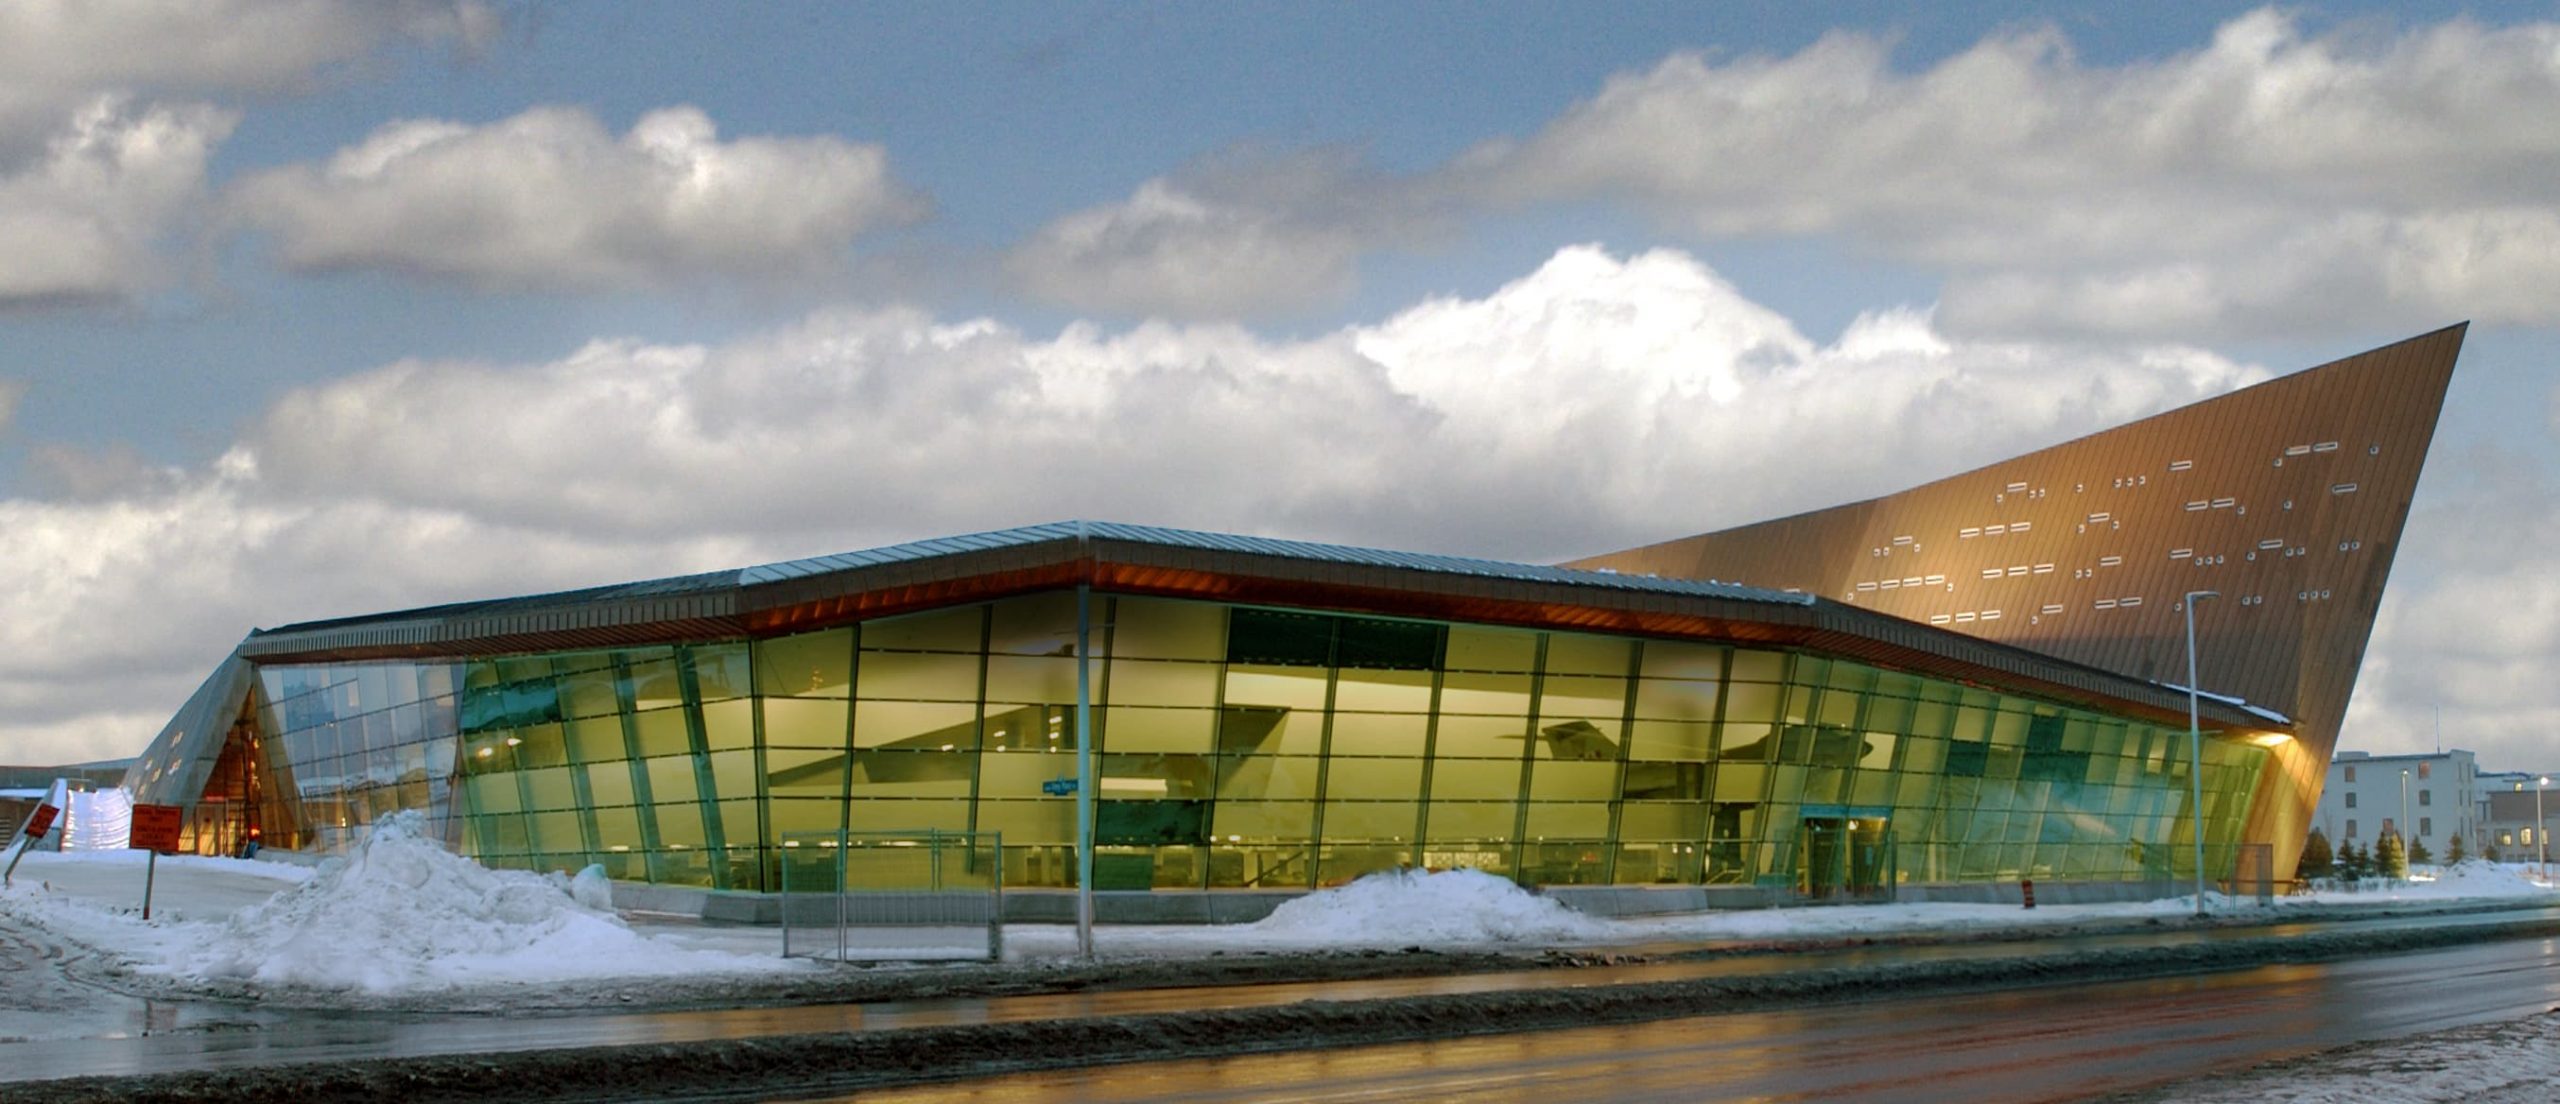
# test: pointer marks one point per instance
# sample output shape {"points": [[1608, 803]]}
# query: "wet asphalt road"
{"points": [[2039, 1044], [270, 1037]]}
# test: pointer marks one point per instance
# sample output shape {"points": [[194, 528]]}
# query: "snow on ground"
{"points": [[400, 914], [2503, 1063]]}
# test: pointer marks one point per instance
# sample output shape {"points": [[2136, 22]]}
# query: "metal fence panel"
{"points": [[893, 895]]}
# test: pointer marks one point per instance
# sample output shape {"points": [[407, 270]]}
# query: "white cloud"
{"points": [[104, 137], [2271, 182], [549, 198], [58, 52], [2471, 623], [86, 219], [1595, 403], [1239, 237], [2268, 182]]}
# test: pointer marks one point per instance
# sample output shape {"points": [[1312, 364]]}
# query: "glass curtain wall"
{"points": [[1248, 748]]}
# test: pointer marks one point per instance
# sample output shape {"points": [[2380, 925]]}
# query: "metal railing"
{"points": [[855, 896]]}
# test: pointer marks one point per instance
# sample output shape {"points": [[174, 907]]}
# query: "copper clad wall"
{"points": [[2287, 497]]}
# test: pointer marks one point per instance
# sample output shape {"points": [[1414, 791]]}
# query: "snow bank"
{"points": [[401, 914], [1439, 908]]}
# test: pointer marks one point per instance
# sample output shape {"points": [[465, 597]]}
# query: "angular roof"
{"points": [[806, 594]]}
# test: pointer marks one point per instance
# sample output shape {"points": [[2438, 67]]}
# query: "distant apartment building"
{"points": [[2369, 795], [2513, 807]]}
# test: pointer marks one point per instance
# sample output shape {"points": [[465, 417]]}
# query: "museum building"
{"points": [[1978, 680]]}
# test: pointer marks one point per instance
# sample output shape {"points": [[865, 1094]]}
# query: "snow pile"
{"points": [[402, 914], [2481, 878], [1413, 906]]}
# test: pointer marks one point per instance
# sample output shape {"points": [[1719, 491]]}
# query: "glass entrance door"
{"points": [[1845, 858]]}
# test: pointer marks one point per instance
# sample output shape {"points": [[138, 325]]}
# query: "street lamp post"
{"points": [[2195, 739], [2541, 835]]}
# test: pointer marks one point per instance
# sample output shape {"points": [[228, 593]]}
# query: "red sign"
{"points": [[42, 822], [155, 828]]}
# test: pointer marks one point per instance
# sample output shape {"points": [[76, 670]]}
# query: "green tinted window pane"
{"points": [[1129, 728], [1671, 740], [653, 682], [1568, 821], [1751, 666], [729, 724], [1270, 730], [720, 671], [918, 676], [1265, 820], [804, 772], [609, 783], [618, 829], [1839, 708], [1573, 781], [549, 788], [1033, 679], [804, 722], [1383, 691], [1485, 694], [811, 664], [1578, 740], [557, 831], [1386, 645], [1155, 628], [1391, 821], [679, 825], [1373, 779], [1658, 781], [1031, 821], [936, 773], [1671, 659], [1297, 688], [1154, 776], [1271, 638], [1159, 682], [1475, 780], [589, 694], [1751, 702], [1740, 782], [1471, 821], [1477, 648], [1470, 737], [946, 630], [915, 726], [733, 773], [1746, 743], [1676, 700], [1580, 654], [1581, 697], [1039, 625], [1380, 734], [663, 732], [1663, 821], [1020, 775], [492, 793], [1267, 777], [671, 779], [541, 746]]}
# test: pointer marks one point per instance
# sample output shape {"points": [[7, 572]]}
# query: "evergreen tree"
{"points": [[2454, 851], [2491, 853], [2390, 859], [2351, 862], [2317, 862], [2418, 852]]}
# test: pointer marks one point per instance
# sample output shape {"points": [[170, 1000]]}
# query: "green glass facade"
{"points": [[1245, 747]]}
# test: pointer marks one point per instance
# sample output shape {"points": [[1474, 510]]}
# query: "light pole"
{"points": [[2541, 836], [2404, 821], [2195, 740]]}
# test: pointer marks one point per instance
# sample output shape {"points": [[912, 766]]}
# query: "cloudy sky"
{"points": [[317, 307]]}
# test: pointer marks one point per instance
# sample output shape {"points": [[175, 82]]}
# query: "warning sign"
{"points": [[42, 822], [155, 828]]}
